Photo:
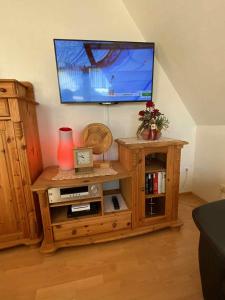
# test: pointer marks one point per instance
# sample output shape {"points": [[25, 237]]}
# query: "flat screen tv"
{"points": [[104, 71]]}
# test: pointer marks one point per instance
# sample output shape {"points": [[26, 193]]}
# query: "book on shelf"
{"points": [[155, 183], [149, 183], [159, 183], [150, 180], [163, 184], [146, 184]]}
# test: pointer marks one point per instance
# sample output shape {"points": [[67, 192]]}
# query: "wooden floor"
{"points": [[157, 266]]}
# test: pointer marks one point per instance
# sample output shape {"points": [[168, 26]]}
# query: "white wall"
{"points": [[209, 162], [27, 29], [191, 50], [181, 127]]}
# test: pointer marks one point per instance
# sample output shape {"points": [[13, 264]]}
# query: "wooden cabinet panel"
{"points": [[9, 211], [32, 149], [4, 108]]}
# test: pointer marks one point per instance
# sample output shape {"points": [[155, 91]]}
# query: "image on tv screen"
{"points": [[101, 71]]}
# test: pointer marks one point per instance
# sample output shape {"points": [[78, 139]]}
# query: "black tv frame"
{"points": [[106, 102]]}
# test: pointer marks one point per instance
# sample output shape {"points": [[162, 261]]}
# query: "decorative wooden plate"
{"points": [[98, 136]]}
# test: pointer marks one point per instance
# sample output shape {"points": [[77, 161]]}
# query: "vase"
{"points": [[65, 149], [158, 134], [146, 134]]}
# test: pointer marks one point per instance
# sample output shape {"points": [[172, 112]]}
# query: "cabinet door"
{"points": [[10, 217], [154, 182]]}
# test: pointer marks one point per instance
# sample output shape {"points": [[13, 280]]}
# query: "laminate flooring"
{"points": [[158, 266]]}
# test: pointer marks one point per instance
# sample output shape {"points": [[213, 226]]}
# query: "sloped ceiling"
{"points": [[190, 46]]}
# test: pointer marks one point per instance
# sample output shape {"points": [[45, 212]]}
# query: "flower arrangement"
{"points": [[151, 116]]}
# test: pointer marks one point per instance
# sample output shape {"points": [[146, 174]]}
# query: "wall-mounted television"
{"points": [[107, 72]]}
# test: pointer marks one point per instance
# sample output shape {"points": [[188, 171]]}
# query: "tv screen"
{"points": [[104, 71]]}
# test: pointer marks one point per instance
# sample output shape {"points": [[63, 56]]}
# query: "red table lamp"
{"points": [[65, 149]]}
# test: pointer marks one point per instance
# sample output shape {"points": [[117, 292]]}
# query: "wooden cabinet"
{"points": [[157, 169], [20, 164], [147, 209]]}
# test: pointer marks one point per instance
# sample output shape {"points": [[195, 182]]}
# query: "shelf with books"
{"points": [[155, 183]]}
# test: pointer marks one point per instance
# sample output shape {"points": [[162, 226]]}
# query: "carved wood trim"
{"points": [[18, 128]]}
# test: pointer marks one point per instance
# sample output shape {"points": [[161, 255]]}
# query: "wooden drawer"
{"points": [[4, 108], [92, 226], [12, 89]]}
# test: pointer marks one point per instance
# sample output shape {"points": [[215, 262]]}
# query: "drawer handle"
{"points": [[114, 224], [2, 90], [74, 231]]}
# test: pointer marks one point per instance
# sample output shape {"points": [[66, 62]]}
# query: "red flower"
{"points": [[156, 112], [150, 104], [141, 113]]}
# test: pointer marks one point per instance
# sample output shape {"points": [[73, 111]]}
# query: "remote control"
{"points": [[115, 202]]}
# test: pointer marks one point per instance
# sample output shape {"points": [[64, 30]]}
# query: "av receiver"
{"points": [[56, 195]]}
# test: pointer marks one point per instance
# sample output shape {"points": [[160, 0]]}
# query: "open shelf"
{"points": [[108, 205], [59, 214], [123, 191], [77, 202]]}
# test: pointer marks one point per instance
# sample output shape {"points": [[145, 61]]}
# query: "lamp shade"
{"points": [[65, 149]]}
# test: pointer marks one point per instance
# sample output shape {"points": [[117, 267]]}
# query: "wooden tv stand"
{"points": [[143, 212]]}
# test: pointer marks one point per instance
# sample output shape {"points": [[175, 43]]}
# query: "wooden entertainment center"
{"points": [[141, 212]]}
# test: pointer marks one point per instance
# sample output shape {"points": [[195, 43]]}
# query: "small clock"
{"points": [[83, 159]]}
